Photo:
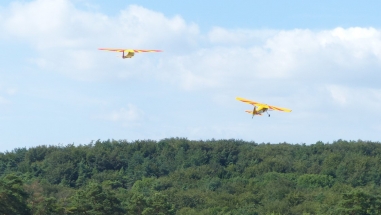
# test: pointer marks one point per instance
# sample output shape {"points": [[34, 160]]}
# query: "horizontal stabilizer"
{"points": [[251, 112]]}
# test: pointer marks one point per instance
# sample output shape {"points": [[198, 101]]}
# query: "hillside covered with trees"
{"points": [[179, 176]]}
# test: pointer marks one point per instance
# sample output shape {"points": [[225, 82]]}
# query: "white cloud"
{"points": [[126, 116], [66, 39], [269, 64], [8, 92], [314, 72], [357, 98], [11, 91], [244, 58], [51, 24], [223, 36], [4, 101], [44, 23], [338, 94]]}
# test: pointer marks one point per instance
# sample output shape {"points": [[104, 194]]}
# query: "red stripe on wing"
{"points": [[275, 108], [248, 101]]}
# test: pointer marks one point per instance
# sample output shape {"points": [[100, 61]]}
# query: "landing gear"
{"points": [[254, 111]]}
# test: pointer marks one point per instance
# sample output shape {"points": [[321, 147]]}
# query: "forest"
{"points": [[187, 177]]}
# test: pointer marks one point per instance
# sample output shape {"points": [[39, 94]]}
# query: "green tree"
{"points": [[94, 199], [359, 202], [315, 180], [160, 205], [39, 203], [13, 198], [155, 204], [137, 204]]}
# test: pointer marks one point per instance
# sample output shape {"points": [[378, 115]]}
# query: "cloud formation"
{"points": [[323, 75], [126, 116], [66, 39]]}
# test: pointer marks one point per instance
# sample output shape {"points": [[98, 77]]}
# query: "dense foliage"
{"points": [[179, 176]]}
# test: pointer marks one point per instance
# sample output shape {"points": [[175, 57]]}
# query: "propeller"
{"points": [[255, 108]]}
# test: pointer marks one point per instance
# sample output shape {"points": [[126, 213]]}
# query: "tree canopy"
{"points": [[180, 176]]}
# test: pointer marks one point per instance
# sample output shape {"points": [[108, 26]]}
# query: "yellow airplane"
{"points": [[130, 52], [260, 108]]}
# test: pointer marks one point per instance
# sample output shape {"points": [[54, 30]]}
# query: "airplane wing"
{"points": [[129, 50], [248, 101], [261, 104], [279, 108]]}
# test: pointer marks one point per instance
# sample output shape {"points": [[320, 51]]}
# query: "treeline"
{"points": [[179, 176]]}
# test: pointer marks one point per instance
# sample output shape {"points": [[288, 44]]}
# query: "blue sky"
{"points": [[321, 59], [261, 14]]}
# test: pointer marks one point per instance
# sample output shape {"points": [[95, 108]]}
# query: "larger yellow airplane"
{"points": [[260, 108], [130, 52]]}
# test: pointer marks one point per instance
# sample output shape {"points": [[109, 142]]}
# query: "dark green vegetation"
{"points": [[178, 176]]}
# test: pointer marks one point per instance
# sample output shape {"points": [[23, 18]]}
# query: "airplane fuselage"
{"points": [[128, 55], [260, 109]]}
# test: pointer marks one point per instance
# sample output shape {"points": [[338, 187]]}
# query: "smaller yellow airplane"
{"points": [[130, 52], [260, 108]]}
